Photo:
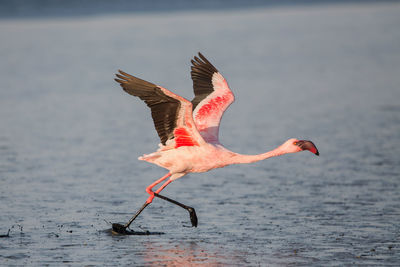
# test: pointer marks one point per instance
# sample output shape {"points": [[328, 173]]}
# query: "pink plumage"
{"points": [[189, 130]]}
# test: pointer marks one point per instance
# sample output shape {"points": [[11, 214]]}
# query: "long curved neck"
{"points": [[240, 158]]}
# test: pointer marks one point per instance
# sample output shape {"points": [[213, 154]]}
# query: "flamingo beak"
{"points": [[308, 145]]}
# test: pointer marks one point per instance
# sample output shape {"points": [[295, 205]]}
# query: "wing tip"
{"points": [[123, 73], [202, 62]]}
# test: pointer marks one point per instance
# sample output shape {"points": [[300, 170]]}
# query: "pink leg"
{"points": [[119, 228], [150, 187], [192, 212]]}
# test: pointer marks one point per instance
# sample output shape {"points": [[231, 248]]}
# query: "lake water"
{"points": [[70, 138]]}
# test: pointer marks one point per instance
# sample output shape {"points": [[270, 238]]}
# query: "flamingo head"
{"points": [[294, 145]]}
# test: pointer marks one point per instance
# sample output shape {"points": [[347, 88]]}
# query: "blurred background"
{"points": [[56, 8], [327, 71]]}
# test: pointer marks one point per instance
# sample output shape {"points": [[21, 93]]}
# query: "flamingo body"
{"points": [[196, 158], [188, 130]]}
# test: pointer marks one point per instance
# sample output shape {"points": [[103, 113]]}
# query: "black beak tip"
{"points": [[308, 145]]}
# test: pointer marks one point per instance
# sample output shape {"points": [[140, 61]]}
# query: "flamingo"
{"points": [[188, 130]]}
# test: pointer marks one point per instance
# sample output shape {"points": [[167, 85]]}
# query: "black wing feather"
{"points": [[164, 109], [202, 73]]}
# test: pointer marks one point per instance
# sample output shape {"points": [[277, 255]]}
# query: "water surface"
{"points": [[70, 138]]}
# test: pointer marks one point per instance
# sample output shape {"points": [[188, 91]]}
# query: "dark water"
{"points": [[61, 8], [70, 139]]}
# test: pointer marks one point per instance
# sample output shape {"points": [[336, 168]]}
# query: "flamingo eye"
{"points": [[295, 143]]}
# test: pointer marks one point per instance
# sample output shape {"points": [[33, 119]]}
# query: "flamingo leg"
{"points": [[119, 228], [150, 187], [192, 212]]}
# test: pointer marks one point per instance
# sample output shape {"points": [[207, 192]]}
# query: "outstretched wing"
{"points": [[212, 98], [172, 114]]}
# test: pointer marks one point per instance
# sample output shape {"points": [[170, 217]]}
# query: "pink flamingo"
{"points": [[189, 130]]}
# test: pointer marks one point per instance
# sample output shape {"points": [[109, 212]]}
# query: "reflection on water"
{"points": [[182, 254]]}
